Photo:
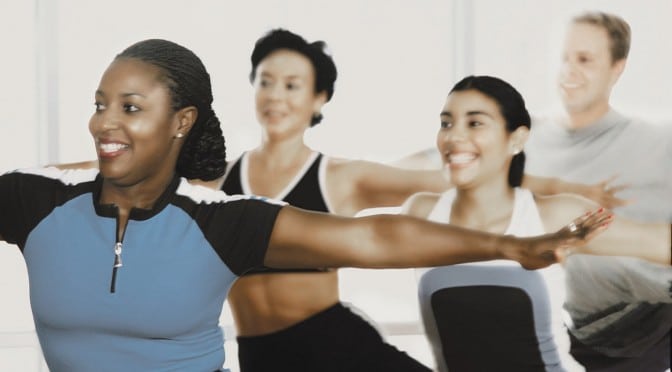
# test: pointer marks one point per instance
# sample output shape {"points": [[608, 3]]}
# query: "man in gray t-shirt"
{"points": [[616, 324]]}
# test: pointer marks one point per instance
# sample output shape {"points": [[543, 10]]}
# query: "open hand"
{"points": [[541, 251], [604, 193]]}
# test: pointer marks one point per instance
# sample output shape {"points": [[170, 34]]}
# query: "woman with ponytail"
{"points": [[495, 315]]}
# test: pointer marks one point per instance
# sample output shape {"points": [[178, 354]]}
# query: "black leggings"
{"points": [[656, 359], [333, 340]]}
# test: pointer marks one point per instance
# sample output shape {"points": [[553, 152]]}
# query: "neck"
{"points": [[585, 118], [281, 151], [141, 195], [488, 207]]}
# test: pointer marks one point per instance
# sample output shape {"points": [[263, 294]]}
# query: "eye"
{"points": [[446, 124], [475, 123], [292, 86], [99, 106], [584, 59], [264, 83], [131, 108]]}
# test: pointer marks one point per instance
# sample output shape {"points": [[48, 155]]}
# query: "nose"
{"points": [[269, 90], [567, 69], [275, 91], [448, 137], [458, 133], [102, 121]]}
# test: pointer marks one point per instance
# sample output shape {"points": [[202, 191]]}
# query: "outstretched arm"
{"points": [[602, 193], [77, 165], [310, 239], [649, 241], [629, 238]]}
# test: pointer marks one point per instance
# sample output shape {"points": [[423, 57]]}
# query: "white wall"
{"points": [[393, 62], [397, 60], [519, 40]]}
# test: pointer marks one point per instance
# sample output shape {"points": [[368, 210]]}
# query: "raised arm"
{"points": [[310, 239]]}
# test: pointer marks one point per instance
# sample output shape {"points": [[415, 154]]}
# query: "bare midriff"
{"points": [[266, 303]]}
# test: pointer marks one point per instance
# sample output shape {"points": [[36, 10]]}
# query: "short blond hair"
{"points": [[618, 31]]}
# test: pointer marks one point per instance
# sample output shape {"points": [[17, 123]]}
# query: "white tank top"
{"points": [[548, 312]]}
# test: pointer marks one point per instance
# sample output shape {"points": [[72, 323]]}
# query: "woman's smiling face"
{"points": [[134, 125], [473, 140]]}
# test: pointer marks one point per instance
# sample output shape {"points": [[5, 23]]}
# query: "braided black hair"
{"points": [[203, 154], [323, 63], [511, 105]]}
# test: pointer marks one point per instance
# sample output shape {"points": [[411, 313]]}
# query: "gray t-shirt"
{"points": [[623, 322]]}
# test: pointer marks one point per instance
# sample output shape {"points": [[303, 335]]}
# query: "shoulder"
{"points": [[420, 204]]}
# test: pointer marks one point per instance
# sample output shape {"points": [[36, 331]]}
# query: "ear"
{"points": [[617, 69], [517, 139], [320, 100], [186, 117]]}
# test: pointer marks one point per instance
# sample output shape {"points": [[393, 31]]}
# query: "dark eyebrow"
{"points": [[125, 95], [470, 113], [133, 94]]}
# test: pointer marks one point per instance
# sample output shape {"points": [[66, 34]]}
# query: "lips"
{"points": [[109, 149], [570, 85], [273, 114], [461, 158]]}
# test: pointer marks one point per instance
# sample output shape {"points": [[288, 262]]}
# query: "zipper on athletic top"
{"points": [[118, 246]]}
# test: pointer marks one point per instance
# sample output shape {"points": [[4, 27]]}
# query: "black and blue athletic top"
{"points": [[160, 310]]}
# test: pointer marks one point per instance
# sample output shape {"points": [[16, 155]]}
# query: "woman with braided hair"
{"points": [[129, 265]]}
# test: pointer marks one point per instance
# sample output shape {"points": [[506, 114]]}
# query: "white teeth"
{"points": [[273, 114], [112, 147], [461, 158], [570, 85]]}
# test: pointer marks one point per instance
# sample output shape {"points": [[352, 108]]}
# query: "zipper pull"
{"points": [[117, 255]]}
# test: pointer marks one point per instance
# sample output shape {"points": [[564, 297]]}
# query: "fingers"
{"points": [[606, 193], [610, 179], [608, 198], [611, 202], [591, 224], [615, 189]]}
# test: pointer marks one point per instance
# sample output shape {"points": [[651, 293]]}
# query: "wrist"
{"points": [[505, 246]]}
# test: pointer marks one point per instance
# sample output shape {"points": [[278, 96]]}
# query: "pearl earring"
{"points": [[179, 135]]}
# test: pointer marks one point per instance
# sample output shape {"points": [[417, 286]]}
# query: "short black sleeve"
{"points": [[240, 231], [17, 208]]}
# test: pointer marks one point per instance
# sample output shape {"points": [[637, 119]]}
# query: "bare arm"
{"points": [[394, 241], [78, 165], [603, 193], [357, 185], [649, 241]]}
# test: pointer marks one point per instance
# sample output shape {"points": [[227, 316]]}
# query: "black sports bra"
{"points": [[306, 194]]}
